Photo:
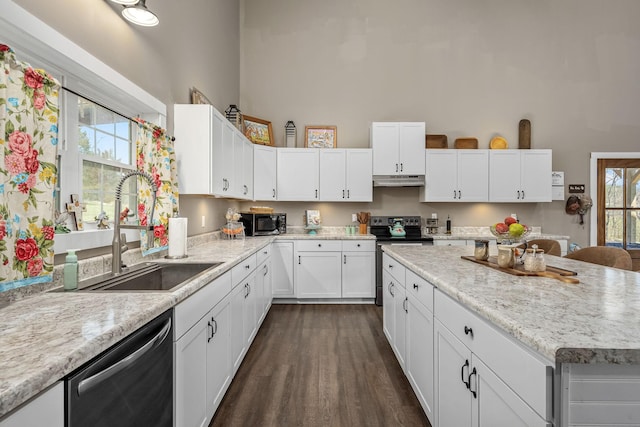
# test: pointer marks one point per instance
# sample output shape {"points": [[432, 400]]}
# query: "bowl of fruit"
{"points": [[509, 231]]}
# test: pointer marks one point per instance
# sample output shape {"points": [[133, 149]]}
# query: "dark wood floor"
{"points": [[320, 365]]}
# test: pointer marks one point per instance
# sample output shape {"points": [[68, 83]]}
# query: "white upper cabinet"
{"points": [[213, 156], [264, 172], [346, 175], [520, 175], [456, 176], [398, 148], [298, 174]]}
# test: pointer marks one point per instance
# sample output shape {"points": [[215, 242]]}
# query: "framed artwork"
{"points": [[320, 136], [198, 97], [258, 131]]}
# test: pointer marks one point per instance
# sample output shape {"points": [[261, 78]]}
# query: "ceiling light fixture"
{"points": [[140, 15], [125, 2]]}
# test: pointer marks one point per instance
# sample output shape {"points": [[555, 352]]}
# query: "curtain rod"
{"points": [[104, 106]]}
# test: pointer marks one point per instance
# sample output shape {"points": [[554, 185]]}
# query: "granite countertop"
{"points": [[44, 337], [472, 233], [595, 321]]}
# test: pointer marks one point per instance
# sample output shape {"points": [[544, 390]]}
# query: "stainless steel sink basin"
{"points": [[147, 277]]}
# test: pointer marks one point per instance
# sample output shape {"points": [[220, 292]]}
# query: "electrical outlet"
{"points": [[203, 221], [354, 217]]}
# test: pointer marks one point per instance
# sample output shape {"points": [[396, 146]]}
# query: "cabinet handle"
{"points": [[215, 326], [474, 392], [358, 245], [345, 259], [404, 304], [468, 331], [459, 195], [246, 288], [466, 365], [246, 189], [266, 270], [401, 167], [316, 194], [211, 334], [396, 167], [348, 196], [522, 194], [391, 286], [390, 266], [415, 286], [247, 266], [319, 245], [343, 194], [518, 195], [274, 192], [298, 259], [454, 194]]}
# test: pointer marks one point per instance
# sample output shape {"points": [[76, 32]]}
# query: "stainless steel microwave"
{"points": [[260, 224]]}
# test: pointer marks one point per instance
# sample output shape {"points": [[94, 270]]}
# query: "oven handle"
{"points": [[107, 373]]}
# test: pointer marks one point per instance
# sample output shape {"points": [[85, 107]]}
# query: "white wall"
{"points": [[466, 67]]}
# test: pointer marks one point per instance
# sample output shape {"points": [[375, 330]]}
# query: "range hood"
{"points": [[398, 180]]}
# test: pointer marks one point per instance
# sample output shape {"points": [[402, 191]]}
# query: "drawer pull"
{"points": [[345, 258], [415, 286], [466, 365], [390, 266], [474, 392], [468, 331], [404, 304], [390, 289], [358, 244]]}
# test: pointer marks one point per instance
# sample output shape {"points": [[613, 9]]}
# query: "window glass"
{"points": [[614, 188]]}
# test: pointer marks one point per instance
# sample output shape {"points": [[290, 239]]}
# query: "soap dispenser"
{"points": [[70, 274]]}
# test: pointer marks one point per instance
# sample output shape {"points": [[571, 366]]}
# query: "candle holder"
{"points": [[234, 115], [290, 134]]}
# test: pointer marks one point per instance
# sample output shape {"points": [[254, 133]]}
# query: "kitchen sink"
{"points": [[147, 277]]}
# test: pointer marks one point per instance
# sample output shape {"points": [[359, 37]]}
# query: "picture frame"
{"points": [[198, 97], [258, 131], [320, 136]]}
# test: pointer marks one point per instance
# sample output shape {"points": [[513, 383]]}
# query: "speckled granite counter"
{"points": [[596, 321], [46, 336], [472, 233]]}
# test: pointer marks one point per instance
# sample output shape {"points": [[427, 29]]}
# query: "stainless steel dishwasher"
{"points": [[130, 384]]}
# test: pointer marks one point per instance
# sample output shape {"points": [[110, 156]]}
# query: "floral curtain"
{"points": [[28, 138], [156, 156]]}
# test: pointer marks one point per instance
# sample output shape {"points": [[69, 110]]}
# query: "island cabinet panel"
{"points": [[527, 374], [46, 409]]}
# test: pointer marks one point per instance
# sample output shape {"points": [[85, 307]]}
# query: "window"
{"points": [[619, 203], [100, 149]]}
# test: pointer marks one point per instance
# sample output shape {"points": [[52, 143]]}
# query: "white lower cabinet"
{"points": [[318, 270], [213, 330], [46, 409], [419, 360], [282, 269], [263, 290], [358, 269], [400, 324]]}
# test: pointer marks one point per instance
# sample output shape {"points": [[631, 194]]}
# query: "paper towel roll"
{"points": [[177, 237]]}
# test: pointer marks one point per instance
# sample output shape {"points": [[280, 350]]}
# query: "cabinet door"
{"points": [[191, 379], [504, 175], [440, 176], [247, 165], [496, 404], [235, 163], [473, 175], [282, 274], [358, 275], [535, 175], [385, 140], [359, 175], [47, 409], [238, 343], [249, 309], [298, 174], [263, 290], [388, 306], [224, 161], [264, 169], [452, 364], [400, 332], [411, 148], [420, 354], [194, 128], [333, 165], [218, 354], [319, 275]]}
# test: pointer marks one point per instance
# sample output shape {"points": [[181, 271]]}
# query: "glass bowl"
{"points": [[508, 237]]}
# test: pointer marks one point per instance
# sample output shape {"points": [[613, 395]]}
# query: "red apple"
{"points": [[501, 227], [510, 220]]}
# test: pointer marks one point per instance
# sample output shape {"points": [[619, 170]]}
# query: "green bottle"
{"points": [[70, 274]]}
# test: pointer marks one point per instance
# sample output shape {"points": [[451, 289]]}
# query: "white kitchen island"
{"points": [[577, 346]]}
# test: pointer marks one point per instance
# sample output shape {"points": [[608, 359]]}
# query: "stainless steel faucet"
{"points": [[116, 245]]}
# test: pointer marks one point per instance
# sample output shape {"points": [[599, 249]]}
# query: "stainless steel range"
{"points": [[381, 227]]}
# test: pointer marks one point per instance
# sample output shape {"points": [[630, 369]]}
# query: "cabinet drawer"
{"points": [[526, 372], [243, 269], [394, 268], [319, 245], [263, 254], [189, 311], [359, 245], [420, 289]]}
